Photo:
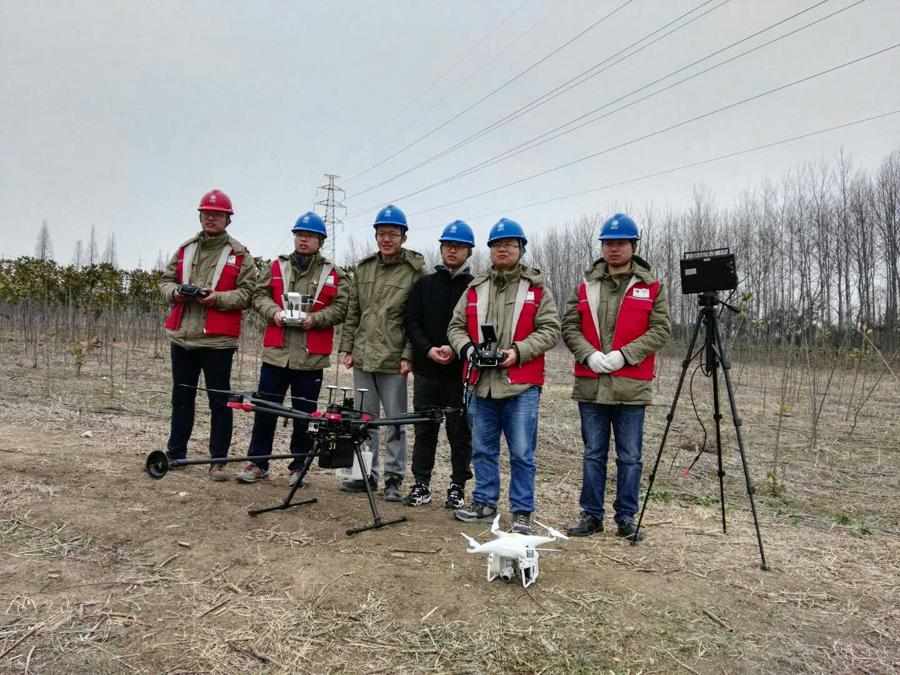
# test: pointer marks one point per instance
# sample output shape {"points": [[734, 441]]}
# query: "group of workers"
{"points": [[398, 319]]}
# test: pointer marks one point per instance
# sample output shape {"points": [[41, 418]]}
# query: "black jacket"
{"points": [[428, 310]]}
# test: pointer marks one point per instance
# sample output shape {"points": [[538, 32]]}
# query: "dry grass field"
{"points": [[103, 570]]}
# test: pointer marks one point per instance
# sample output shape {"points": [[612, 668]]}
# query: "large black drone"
{"points": [[337, 433]]}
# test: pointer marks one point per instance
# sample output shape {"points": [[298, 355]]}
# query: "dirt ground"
{"points": [[103, 570]]}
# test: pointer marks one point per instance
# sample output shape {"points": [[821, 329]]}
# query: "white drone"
{"points": [[511, 554]]}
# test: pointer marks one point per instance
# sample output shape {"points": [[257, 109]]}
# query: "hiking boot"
{"points": [[628, 530], [250, 473], [218, 473], [358, 485], [455, 497], [295, 478], [521, 523], [392, 490], [419, 495], [586, 526], [475, 511]]}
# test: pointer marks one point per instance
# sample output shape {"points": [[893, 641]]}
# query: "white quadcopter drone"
{"points": [[511, 554]]}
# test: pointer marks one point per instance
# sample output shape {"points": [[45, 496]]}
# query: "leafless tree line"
{"points": [[818, 254]]}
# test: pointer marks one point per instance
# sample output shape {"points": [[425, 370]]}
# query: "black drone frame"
{"points": [[340, 423]]}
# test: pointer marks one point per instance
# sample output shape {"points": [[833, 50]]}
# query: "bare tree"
{"points": [[109, 253], [43, 249], [93, 255], [78, 255]]}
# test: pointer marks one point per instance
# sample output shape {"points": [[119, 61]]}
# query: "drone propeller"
{"points": [[473, 544], [553, 532]]}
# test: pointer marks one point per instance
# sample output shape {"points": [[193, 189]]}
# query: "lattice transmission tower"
{"points": [[332, 204]]}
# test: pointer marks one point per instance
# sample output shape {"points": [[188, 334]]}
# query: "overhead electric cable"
{"points": [[671, 127], [691, 165], [496, 90], [595, 70], [557, 132]]}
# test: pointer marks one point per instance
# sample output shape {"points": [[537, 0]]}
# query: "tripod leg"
{"points": [[717, 417], [726, 371], [669, 418]]}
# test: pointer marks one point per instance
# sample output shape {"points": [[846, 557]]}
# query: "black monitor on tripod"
{"points": [[707, 272]]}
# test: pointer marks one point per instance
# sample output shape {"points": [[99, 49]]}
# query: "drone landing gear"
{"points": [[526, 567], [288, 502], [377, 521]]}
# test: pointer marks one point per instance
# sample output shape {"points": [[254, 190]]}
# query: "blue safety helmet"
{"points": [[311, 222], [391, 215], [507, 229], [619, 226], [458, 232]]}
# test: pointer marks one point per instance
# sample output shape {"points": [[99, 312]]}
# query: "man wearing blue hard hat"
{"points": [[374, 342], [503, 325], [437, 372], [302, 296], [615, 322]]}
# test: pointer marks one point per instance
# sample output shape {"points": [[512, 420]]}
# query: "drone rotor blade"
{"points": [[553, 532], [473, 544]]}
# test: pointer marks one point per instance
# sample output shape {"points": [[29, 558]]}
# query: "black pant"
{"points": [[429, 393], [273, 385], [186, 367]]}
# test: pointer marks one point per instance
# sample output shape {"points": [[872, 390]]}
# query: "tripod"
{"points": [[714, 355]]}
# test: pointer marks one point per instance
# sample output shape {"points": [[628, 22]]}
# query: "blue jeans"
{"points": [[627, 423], [517, 419]]}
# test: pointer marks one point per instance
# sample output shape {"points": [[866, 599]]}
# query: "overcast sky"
{"points": [[121, 115]]}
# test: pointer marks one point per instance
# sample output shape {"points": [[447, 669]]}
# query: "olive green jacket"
{"points": [[608, 389], [500, 310], [203, 265], [294, 354], [374, 332]]}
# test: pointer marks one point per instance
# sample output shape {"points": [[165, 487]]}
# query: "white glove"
{"points": [[613, 361], [596, 362]]}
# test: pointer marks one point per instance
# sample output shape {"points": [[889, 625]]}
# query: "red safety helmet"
{"points": [[215, 200]]}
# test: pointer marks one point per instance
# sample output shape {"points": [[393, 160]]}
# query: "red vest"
{"points": [[530, 372], [632, 322], [218, 322], [318, 340]]}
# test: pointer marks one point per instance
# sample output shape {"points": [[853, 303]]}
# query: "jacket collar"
{"points": [[640, 268]]}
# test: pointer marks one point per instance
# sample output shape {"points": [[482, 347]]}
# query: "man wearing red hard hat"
{"points": [[208, 283]]}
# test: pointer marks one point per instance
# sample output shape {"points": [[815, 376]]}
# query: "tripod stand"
{"points": [[714, 355]]}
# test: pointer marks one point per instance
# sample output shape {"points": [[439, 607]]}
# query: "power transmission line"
{"points": [[560, 89], [664, 130], [495, 91], [692, 165], [557, 132], [461, 57]]}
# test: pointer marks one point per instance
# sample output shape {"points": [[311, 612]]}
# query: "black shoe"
{"points": [[418, 496], [455, 497], [521, 523], [476, 511], [586, 526], [628, 530], [358, 485], [172, 458], [392, 490]]}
